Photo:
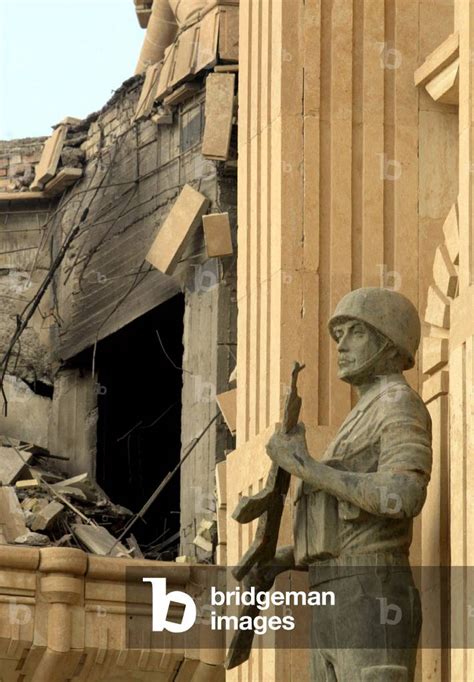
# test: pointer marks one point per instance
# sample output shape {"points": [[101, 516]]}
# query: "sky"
{"points": [[62, 58]]}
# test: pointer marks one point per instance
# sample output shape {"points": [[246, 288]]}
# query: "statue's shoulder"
{"points": [[398, 401]]}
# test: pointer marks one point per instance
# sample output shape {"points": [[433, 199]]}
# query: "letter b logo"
{"points": [[161, 604]]}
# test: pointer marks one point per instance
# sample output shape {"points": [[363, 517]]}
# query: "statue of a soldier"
{"points": [[355, 507]]}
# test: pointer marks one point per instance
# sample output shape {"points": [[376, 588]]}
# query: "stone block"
{"points": [[175, 232], [47, 516], [444, 87], [438, 60], [27, 483], [217, 234], [48, 163], [65, 178], [219, 113]]}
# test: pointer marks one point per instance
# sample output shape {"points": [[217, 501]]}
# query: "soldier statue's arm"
{"points": [[403, 472]]}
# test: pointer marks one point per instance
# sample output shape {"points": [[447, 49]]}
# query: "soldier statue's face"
{"points": [[357, 344]]}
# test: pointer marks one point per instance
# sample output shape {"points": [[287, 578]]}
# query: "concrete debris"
{"points": [[184, 559], [72, 157], [72, 512], [47, 516], [33, 539], [206, 535], [202, 543]]}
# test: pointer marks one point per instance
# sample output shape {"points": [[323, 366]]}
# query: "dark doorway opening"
{"points": [[139, 426]]}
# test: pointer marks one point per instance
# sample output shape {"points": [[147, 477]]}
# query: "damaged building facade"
{"points": [[163, 267]]}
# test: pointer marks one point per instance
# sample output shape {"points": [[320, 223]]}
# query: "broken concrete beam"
{"points": [[98, 540], [175, 232], [217, 234], [219, 113], [12, 464], [47, 516], [12, 519], [227, 402]]}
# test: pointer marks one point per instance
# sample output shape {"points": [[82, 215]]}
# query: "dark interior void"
{"points": [[139, 427]]}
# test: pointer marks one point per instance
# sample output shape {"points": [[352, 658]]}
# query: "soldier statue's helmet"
{"points": [[387, 311]]}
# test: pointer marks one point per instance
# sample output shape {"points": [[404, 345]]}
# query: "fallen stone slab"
{"points": [[98, 540], [71, 481]]}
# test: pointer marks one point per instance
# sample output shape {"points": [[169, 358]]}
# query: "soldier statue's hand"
{"points": [[263, 576], [289, 450]]}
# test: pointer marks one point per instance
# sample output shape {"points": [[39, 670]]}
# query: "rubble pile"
{"points": [[40, 507]]}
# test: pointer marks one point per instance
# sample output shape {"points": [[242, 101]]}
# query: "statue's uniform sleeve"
{"points": [[402, 435]]}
